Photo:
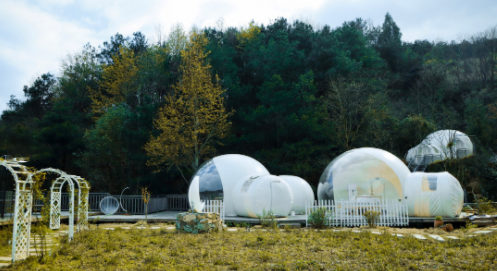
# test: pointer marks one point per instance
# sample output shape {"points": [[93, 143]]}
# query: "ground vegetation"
{"points": [[289, 249]]}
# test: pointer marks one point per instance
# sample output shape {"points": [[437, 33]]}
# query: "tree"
{"points": [[347, 107], [177, 40], [117, 84], [390, 43], [194, 118]]}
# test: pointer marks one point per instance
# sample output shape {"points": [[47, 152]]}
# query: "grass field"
{"points": [[162, 249]]}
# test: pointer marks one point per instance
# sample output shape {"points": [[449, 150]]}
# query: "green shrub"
{"points": [[371, 218], [267, 219], [468, 226], [438, 218], [485, 206], [319, 218]]}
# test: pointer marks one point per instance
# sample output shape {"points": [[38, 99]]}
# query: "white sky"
{"points": [[35, 36]]}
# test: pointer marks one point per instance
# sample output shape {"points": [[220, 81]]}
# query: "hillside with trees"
{"points": [[134, 113]]}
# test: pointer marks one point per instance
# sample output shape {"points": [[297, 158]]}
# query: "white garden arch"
{"points": [[22, 211], [56, 198], [83, 199]]}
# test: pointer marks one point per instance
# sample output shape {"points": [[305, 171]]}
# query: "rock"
{"points": [[198, 222]]}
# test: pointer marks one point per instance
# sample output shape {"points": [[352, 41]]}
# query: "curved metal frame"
{"points": [[22, 213], [83, 199]]}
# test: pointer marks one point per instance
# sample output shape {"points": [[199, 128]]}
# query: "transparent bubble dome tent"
{"points": [[441, 145], [363, 174], [216, 178], [247, 188], [369, 174]]}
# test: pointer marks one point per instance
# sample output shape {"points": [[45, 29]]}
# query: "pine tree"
{"points": [[389, 42]]}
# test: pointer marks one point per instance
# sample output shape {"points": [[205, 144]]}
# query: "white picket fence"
{"points": [[350, 213], [215, 206]]}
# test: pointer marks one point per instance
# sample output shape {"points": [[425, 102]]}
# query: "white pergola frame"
{"points": [[56, 196], [23, 207], [83, 202]]}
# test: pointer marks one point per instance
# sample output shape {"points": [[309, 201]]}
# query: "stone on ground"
{"points": [[436, 237], [419, 236], [198, 222]]}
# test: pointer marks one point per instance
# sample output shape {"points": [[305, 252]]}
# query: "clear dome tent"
{"points": [[436, 146], [433, 194], [217, 177], [258, 193], [301, 190], [363, 174]]}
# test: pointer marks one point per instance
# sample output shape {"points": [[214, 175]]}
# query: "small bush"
{"points": [[485, 206], [469, 226], [371, 218], [319, 218], [267, 219], [438, 218]]}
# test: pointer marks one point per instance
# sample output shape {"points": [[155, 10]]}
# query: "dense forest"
{"points": [[291, 96]]}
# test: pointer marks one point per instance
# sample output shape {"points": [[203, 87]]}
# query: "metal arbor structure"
{"points": [[56, 199], [22, 212], [83, 202]]}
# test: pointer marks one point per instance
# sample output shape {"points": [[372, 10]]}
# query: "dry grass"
{"points": [[163, 249]]}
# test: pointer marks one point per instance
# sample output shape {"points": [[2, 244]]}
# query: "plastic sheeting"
{"points": [[433, 194], [218, 176], [301, 191], [437, 144], [361, 174], [258, 193]]}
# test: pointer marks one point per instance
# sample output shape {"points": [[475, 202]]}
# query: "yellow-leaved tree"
{"points": [[194, 118], [118, 82], [248, 34]]}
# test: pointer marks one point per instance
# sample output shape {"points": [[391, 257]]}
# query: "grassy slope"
{"points": [[315, 250]]}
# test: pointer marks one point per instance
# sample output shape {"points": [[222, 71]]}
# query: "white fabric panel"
{"points": [[436, 144], [234, 167], [301, 191], [425, 200], [258, 193]]}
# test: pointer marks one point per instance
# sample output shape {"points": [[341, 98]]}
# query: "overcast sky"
{"points": [[36, 35]]}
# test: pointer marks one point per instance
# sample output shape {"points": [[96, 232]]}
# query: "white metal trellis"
{"points": [[83, 199], [22, 211], [55, 198], [56, 191]]}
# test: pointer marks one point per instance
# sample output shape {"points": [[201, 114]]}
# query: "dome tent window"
{"points": [[210, 184], [429, 183]]}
